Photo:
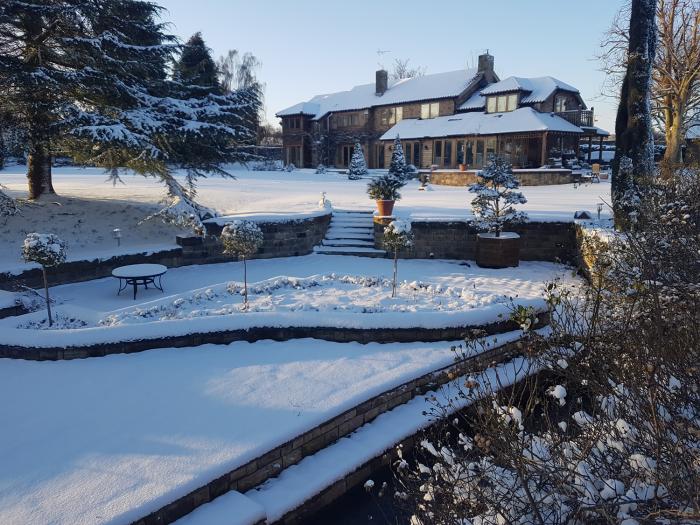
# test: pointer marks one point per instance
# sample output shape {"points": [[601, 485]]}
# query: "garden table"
{"points": [[139, 274]]}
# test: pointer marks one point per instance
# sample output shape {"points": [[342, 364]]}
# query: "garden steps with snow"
{"points": [[351, 232]]}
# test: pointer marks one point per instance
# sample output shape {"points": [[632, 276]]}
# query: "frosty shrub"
{"points": [[242, 239], [181, 208], [385, 188], [290, 167], [48, 250], [397, 235], [397, 167], [266, 165], [321, 169], [358, 166], [606, 429], [494, 204], [8, 205]]}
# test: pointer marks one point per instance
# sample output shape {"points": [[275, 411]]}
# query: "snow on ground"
{"points": [[91, 207], [197, 299], [315, 473], [109, 440]]}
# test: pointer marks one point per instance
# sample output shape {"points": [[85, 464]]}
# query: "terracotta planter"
{"points": [[498, 252], [462, 167], [385, 208]]}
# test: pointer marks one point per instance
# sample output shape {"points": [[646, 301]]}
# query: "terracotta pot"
{"points": [[385, 208], [462, 167], [498, 252]]}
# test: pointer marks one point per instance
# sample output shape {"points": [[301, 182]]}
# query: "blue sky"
{"points": [[309, 47]]}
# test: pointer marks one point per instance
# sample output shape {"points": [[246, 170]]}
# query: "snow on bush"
{"points": [[290, 167], [358, 166], [321, 169], [241, 237], [8, 205], [266, 165], [397, 236], [397, 167], [494, 204], [385, 188], [181, 209], [46, 249]]}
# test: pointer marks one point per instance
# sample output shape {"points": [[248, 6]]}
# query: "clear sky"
{"points": [[310, 47]]}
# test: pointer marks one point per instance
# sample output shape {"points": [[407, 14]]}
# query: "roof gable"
{"points": [[537, 89], [436, 86]]}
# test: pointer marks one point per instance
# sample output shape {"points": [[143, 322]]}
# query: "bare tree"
{"points": [[676, 73], [402, 70]]}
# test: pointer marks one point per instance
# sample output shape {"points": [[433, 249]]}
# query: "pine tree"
{"points": [[196, 67], [358, 166], [86, 79], [398, 168]]}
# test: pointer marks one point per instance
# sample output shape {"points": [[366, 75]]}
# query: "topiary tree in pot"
{"points": [[243, 239], [397, 235], [494, 208], [385, 191], [48, 250]]}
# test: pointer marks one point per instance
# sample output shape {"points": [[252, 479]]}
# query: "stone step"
{"points": [[360, 225], [354, 212], [358, 252], [348, 242], [350, 230], [350, 236]]}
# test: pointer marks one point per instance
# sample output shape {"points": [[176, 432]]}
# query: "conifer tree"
{"points": [[398, 167], [86, 80], [358, 166], [196, 67]]}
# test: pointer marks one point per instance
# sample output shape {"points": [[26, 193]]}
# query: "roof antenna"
{"points": [[381, 52]]}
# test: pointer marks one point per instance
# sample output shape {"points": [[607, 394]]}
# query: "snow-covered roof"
{"points": [[439, 85], [538, 89], [519, 121], [476, 101]]}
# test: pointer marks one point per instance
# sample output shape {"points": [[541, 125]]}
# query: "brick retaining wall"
{"points": [[292, 452], [526, 177], [540, 241], [282, 239]]}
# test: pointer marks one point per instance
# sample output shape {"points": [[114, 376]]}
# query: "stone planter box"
{"points": [[498, 252]]}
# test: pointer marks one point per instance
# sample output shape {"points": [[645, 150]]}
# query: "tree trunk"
{"points": [[633, 129], [393, 284], [39, 170], [46, 293]]}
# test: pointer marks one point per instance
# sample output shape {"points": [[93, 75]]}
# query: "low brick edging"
{"points": [[270, 464], [13, 311], [539, 241], [281, 239], [336, 335]]}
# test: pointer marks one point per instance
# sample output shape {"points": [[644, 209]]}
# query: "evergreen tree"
{"points": [[398, 168], [196, 67], [358, 166], [86, 80]]}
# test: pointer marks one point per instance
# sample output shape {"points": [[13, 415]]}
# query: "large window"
{"points": [[447, 157], [502, 103], [560, 104], [345, 120], [391, 116], [431, 110], [379, 156], [293, 123], [490, 148], [437, 152]]}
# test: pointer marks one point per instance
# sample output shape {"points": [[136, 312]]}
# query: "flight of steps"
{"points": [[350, 233]]}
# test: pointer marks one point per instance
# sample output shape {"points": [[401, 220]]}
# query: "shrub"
{"points": [[397, 235], [242, 238], [48, 250], [358, 166], [385, 188]]}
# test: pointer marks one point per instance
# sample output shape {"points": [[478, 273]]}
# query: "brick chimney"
{"points": [[382, 82], [485, 62]]}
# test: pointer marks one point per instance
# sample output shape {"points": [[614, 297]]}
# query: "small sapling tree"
{"points": [[494, 204], [47, 250], [397, 235], [358, 166], [242, 238], [397, 167]]}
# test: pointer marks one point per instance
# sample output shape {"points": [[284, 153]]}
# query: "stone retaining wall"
{"points": [[540, 241], [282, 239], [526, 177], [292, 452], [337, 335]]}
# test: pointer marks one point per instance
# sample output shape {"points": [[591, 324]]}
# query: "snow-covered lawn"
{"points": [[89, 207], [108, 440], [313, 290]]}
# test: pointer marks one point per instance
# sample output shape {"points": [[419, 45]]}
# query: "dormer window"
{"points": [[430, 110], [502, 103]]}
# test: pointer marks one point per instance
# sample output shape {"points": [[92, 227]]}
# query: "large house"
{"points": [[444, 119]]}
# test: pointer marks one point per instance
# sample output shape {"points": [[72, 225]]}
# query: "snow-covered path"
{"points": [[109, 440]]}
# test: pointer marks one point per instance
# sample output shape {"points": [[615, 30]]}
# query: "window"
{"points": [[490, 149], [294, 123], [416, 154], [469, 154], [447, 159], [460, 152], [391, 116], [502, 103], [491, 105], [479, 153], [431, 110], [294, 155], [380, 156], [407, 152], [560, 104], [512, 102]]}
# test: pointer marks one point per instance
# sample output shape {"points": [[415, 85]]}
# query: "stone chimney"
{"points": [[382, 82], [485, 62]]}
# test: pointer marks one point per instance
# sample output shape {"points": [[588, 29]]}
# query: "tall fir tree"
{"points": [[86, 80], [196, 67], [358, 166], [398, 167]]}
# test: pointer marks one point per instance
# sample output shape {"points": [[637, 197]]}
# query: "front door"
{"points": [[346, 156]]}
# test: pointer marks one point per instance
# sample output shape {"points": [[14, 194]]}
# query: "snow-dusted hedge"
{"points": [[242, 238], [46, 249]]}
